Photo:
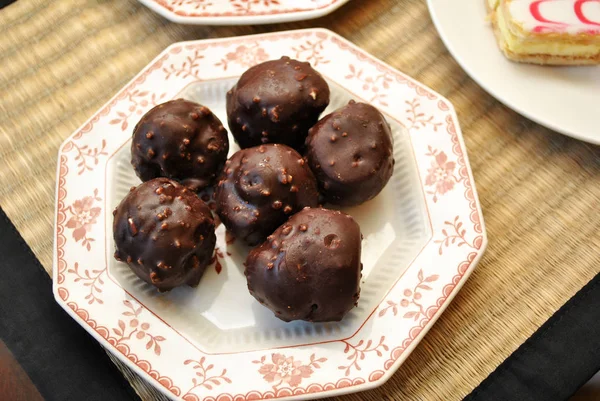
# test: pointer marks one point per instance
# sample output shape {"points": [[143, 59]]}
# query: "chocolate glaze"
{"points": [[351, 153], [309, 268], [276, 102], [260, 188], [165, 233], [182, 140]]}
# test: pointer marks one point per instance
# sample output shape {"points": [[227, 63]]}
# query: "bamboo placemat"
{"points": [[60, 60]]}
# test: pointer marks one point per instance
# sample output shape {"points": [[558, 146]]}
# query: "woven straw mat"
{"points": [[60, 60]]}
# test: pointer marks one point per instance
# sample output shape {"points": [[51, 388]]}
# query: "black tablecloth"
{"points": [[65, 363], [4, 3], [62, 360], [556, 360]]}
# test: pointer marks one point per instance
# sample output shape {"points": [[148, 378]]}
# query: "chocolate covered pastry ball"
{"points": [[276, 102], [309, 268], [260, 188], [181, 140], [351, 153], [165, 233]]}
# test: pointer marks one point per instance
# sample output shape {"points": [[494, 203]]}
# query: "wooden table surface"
{"points": [[60, 60], [15, 385]]}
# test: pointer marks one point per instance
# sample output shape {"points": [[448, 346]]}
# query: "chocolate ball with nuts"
{"points": [[350, 151], [262, 187], [309, 268], [276, 102], [181, 140], [165, 233]]}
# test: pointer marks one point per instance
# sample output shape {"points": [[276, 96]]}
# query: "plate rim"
{"points": [[272, 18], [472, 262], [432, 6]]}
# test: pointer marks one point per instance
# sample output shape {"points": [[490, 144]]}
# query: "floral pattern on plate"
{"points": [[240, 12], [324, 367]]}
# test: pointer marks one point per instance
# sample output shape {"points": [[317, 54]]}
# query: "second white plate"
{"points": [[241, 12], [564, 99]]}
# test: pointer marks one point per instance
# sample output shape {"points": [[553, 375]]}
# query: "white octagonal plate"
{"points": [[423, 235], [241, 12]]}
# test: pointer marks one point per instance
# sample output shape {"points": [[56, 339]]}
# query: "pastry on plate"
{"points": [[554, 32], [276, 102], [165, 233], [309, 268], [260, 188], [181, 140], [351, 153]]}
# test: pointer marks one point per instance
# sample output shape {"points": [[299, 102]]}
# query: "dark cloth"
{"points": [[65, 363], [61, 359], [556, 360], [4, 3]]}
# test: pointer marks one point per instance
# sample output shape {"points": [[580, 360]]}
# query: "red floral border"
{"points": [[104, 111], [284, 392], [397, 352], [175, 10], [104, 332], [61, 217], [464, 173]]}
